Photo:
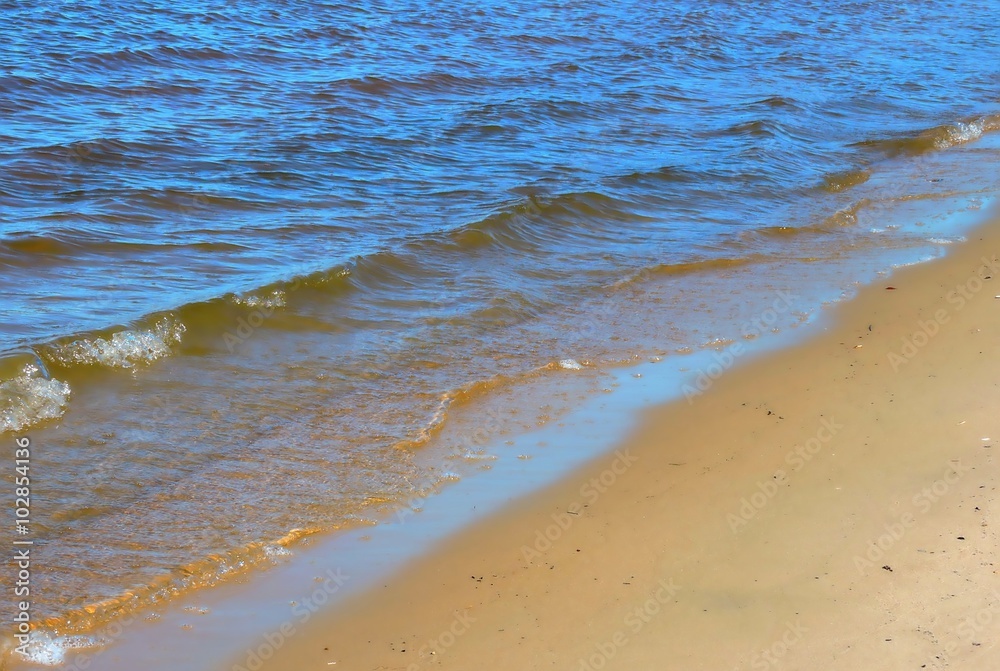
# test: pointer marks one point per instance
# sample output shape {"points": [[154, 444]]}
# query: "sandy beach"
{"points": [[826, 506]]}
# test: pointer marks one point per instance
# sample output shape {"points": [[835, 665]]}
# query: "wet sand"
{"points": [[828, 506]]}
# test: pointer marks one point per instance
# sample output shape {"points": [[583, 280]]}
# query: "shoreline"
{"points": [[471, 438], [247, 612], [828, 502]]}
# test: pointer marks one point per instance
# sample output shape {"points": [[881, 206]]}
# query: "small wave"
{"points": [[190, 202], [776, 102], [535, 223], [842, 218], [839, 181], [960, 133], [538, 221], [47, 649], [206, 572], [195, 327], [275, 551], [96, 151], [149, 89], [546, 40], [688, 267], [162, 54], [705, 265], [466, 394], [665, 174], [124, 349], [32, 249], [23, 247], [31, 397], [935, 139], [434, 82], [754, 128]]}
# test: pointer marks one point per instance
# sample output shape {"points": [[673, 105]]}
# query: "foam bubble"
{"points": [[480, 456], [273, 552], [49, 650], [961, 132], [570, 364], [275, 299], [125, 349], [717, 343], [30, 398]]}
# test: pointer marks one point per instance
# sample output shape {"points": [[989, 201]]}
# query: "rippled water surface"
{"points": [[254, 256]]}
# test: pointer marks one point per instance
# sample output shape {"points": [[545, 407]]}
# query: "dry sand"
{"points": [[828, 506]]}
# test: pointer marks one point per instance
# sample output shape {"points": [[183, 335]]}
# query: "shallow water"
{"points": [[255, 258]]}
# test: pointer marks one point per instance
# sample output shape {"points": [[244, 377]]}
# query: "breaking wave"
{"points": [[31, 397]]}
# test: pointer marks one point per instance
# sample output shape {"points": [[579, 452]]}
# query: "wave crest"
{"points": [[30, 398], [124, 349], [936, 138]]}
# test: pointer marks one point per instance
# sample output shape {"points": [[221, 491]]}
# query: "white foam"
{"points": [[570, 364], [273, 552], [717, 343], [30, 398], [922, 259], [124, 349], [961, 133], [276, 299], [49, 650], [480, 456]]}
